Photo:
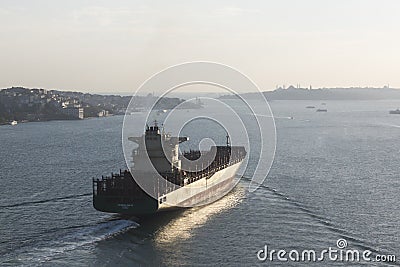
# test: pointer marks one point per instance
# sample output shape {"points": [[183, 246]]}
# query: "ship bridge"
{"points": [[160, 147]]}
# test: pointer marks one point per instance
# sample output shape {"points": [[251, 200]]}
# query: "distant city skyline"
{"points": [[114, 46]]}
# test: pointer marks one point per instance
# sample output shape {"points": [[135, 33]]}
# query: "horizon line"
{"points": [[127, 93]]}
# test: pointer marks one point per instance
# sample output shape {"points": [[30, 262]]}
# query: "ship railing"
{"points": [[214, 167], [112, 184]]}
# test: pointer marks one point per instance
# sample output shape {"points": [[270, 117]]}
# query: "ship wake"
{"points": [[45, 200], [80, 238], [322, 220]]}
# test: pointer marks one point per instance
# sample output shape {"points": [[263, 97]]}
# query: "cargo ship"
{"points": [[183, 180]]}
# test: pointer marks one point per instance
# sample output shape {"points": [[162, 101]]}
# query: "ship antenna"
{"points": [[227, 140]]}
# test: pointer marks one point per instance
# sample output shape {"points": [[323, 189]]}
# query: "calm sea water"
{"points": [[335, 175]]}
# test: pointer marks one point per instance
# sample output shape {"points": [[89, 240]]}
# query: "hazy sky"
{"points": [[106, 46]]}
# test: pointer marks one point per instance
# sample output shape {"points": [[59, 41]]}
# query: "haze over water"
{"points": [[335, 175]]}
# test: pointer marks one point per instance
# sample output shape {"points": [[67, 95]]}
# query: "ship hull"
{"points": [[201, 192], [144, 206]]}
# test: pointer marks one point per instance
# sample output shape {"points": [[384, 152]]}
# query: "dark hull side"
{"points": [[146, 205]]}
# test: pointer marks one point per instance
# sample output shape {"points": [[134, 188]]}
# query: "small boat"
{"points": [[162, 111], [322, 110], [310, 107], [396, 111], [14, 123]]}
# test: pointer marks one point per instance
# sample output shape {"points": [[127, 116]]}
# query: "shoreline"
{"points": [[72, 119]]}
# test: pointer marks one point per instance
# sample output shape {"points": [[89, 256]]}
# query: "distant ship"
{"points": [[162, 111], [121, 193], [310, 107], [322, 110], [396, 111], [13, 123]]}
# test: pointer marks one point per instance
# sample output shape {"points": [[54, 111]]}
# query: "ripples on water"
{"points": [[335, 176]]}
